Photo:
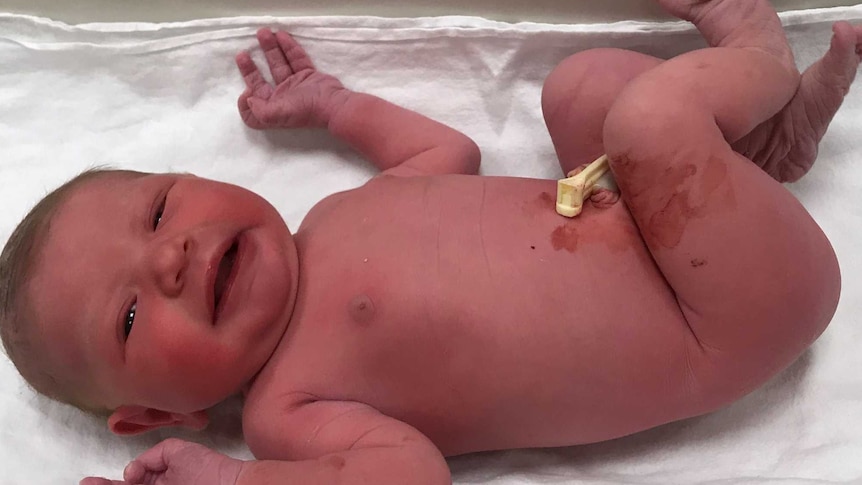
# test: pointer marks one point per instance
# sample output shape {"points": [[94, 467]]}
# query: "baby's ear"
{"points": [[130, 420]]}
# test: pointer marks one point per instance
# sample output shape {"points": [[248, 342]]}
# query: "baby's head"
{"points": [[149, 297]]}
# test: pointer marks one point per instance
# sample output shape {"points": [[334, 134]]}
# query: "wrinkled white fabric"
{"points": [[159, 97]]}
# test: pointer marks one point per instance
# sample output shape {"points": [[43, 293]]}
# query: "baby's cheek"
{"points": [[185, 359], [193, 355], [197, 374], [175, 352]]}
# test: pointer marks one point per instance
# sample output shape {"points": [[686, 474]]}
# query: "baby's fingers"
{"points": [[278, 65], [245, 111], [153, 462], [266, 114], [293, 52], [252, 76]]}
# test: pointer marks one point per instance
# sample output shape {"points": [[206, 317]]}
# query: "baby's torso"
{"points": [[466, 307]]}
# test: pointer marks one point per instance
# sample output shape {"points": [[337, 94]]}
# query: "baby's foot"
{"points": [[785, 146], [736, 23]]}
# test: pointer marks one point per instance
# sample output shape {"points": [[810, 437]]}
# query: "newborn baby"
{"points": [[433, 312]]}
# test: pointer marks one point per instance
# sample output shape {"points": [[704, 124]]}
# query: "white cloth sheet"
{"points": [[162, 97]]}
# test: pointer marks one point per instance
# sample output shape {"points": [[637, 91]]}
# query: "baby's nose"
{"points": [[169, 262]]}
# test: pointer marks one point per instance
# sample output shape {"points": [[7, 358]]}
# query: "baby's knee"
{"points": [[564, 79], [601, 67]]}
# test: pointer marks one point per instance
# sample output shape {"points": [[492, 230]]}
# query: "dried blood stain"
{"points": [[683, 200], [336, 462], [565, 237], [547, 199], [613, 229], [543, 202]]}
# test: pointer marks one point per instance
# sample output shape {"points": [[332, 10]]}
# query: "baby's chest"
{"points": [[391, 287], [436, 251]]}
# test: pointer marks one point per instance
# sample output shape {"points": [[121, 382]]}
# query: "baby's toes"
{"points": [[857, 29], [838, 67], [684, 9], [846, 41]]}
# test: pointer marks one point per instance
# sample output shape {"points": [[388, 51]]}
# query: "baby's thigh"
{"points": [[577, 95], [754, 276]]}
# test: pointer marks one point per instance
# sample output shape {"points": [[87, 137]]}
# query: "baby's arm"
{"points": [[396, 140], [338, 442], [344, 443], [304, 443]]}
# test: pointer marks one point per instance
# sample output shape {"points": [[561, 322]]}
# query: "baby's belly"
{"points": [[498, 323]]}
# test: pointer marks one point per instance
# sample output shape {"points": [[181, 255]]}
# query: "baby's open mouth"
{"points": [[223, 277]]}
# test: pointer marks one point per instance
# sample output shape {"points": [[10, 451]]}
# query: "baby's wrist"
{"points": [[337, 107]]}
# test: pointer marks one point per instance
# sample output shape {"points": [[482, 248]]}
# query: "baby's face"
{"points": [[166, 291]]}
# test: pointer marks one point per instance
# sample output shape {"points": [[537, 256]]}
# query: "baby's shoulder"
{"points": [[325, 208], [382, 190]]}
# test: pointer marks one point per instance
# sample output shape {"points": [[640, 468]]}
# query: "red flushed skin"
{"points": [[439, 313], [496, 322]]}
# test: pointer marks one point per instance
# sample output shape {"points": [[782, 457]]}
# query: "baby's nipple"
{"points": [[361, 309]]}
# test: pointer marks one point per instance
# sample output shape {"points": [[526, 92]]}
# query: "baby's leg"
{"points": [[785, 146], [579, 92], [577, 96], [755, 277]]}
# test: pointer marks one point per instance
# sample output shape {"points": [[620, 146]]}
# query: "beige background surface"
{"points": [[555, 11]]}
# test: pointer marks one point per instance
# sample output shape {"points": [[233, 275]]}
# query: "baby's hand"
{"points": [[177, 462], [302, 97]]}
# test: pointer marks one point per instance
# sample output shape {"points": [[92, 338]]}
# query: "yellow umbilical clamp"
{"points": [[572, 191]]}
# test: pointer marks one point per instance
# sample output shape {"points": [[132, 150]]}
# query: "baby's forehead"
{"points": [[100, 196], [100, 179], [101, 190]]}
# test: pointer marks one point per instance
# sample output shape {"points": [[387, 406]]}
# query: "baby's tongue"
{"points": [[223, 274]]}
